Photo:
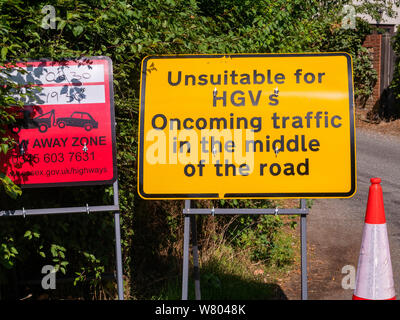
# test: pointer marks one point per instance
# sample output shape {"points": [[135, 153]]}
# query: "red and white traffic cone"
{"points": [[374, 279]]}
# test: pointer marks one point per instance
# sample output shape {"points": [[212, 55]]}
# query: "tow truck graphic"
{"points": [[45, 121]]}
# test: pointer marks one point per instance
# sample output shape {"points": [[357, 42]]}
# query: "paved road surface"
{"points": [[335, 225]]}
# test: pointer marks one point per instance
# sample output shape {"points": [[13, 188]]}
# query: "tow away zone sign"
{"points": [[247, 126], [66, 131]]}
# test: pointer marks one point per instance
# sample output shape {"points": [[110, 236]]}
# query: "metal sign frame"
{"points": [[146, 69], [109, 103], [190, 227], [109, 107], [86, 209], [165, 191]]}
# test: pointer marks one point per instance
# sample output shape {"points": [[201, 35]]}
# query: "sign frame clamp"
{"points": [[190, 227], [115, 208]]}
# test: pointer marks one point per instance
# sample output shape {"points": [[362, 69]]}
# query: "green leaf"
{"points": [[53, 250], [28, 234], [4, 148], [4, 51], [77, 30], [61, 24]]}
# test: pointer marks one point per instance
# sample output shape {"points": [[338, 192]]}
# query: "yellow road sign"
{"points": [[247, 126]]}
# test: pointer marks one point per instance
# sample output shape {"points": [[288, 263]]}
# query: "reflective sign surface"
{"points": [[247, 126], [65, 131]]}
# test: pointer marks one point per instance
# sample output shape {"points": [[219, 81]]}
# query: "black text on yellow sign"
{"points": [[247, 126]]}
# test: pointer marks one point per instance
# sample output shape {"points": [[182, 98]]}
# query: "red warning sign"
{"points": [[66, 130]]}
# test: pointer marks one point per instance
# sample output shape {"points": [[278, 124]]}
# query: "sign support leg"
{"points": [[118, 254], [303, 236], [190, 226], [196, 265], [186, 239]]}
